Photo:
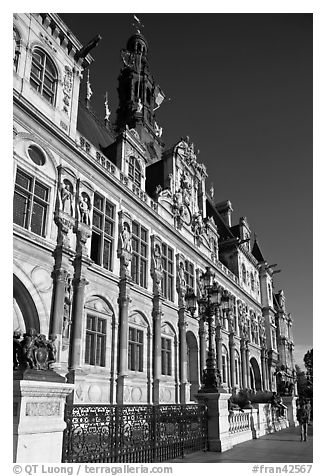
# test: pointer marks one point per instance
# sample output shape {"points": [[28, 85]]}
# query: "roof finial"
{"points": [[89, 91], [138, 24], [107, 110]]}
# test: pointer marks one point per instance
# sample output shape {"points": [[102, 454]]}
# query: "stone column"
{"points": [[81, 264], [60, 277], [243, 364], [218, 337], [76, 340], [63, 255], [125, 255], [202, 347], [157, 358], [263, 370], [182, 324], [247, 365], [123, 300], [157, 313], [232, 359]]}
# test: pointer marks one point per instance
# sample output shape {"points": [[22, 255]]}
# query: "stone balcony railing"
{"points": [[239, 421]]}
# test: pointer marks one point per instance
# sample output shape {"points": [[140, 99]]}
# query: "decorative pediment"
{"points": [[98, 305], [137, 319], [167, 330]]}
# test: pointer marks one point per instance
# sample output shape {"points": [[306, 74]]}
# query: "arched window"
{"points": [[134, 171], [43, 75], [16, 48]]}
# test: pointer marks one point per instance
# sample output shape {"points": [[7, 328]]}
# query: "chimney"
{"points": [[225, 210]]}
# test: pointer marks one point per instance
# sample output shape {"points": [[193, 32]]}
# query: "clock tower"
{"points": [[139, 97]]}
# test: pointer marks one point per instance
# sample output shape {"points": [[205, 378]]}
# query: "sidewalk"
{"points": [[281, 447]]}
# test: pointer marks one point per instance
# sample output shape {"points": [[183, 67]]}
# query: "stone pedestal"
{"points": [[291, 406], [218, 420], [39, 403]]}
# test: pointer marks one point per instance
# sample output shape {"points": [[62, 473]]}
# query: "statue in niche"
{"points": [[84, 209], [66, 309], [66, 196], [139, 106], [52, 350], [125, 237], [157, 256], [181, 274]]}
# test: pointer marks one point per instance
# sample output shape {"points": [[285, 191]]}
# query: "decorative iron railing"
{"points": [[239, 421], [132, 433]]}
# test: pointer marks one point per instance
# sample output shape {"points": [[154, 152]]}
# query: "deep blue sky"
{"points": [[241, 88]]}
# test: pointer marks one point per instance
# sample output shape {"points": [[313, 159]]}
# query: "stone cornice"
{"points": [[55, 27]]}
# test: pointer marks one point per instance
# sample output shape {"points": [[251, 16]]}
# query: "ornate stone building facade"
{"points": [[111, 229]]}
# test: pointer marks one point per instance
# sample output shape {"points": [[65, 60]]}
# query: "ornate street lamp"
{"points": [[208, 304]]}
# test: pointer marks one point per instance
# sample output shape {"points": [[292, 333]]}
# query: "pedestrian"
{"points": [[302, 417]]}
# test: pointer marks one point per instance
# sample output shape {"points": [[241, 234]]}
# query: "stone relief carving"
{"points": [[67, 88], [42, 408]]}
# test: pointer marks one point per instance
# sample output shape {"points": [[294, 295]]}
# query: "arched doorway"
{"points": [[25, 313], [192, 367], [255, 377]]}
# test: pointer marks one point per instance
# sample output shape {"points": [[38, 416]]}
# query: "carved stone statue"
{"points": [[181, 274], [125, 237], [139, 106], [66, 198], [34, 351], [84, 210], [157, 258]]}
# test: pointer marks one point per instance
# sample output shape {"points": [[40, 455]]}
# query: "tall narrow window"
{"points": [[166, 356], [224, 369], [167, 263], [103, 232], [139, 255], [135, 349], [134, 171], [43, 75], [95, 341], [31, 200], [189, 274]]}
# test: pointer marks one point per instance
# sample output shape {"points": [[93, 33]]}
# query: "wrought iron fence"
{"points": [[132, 433]]}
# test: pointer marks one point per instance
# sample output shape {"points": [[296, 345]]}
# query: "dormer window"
{"points": [[43, 75], [134, 171]]}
